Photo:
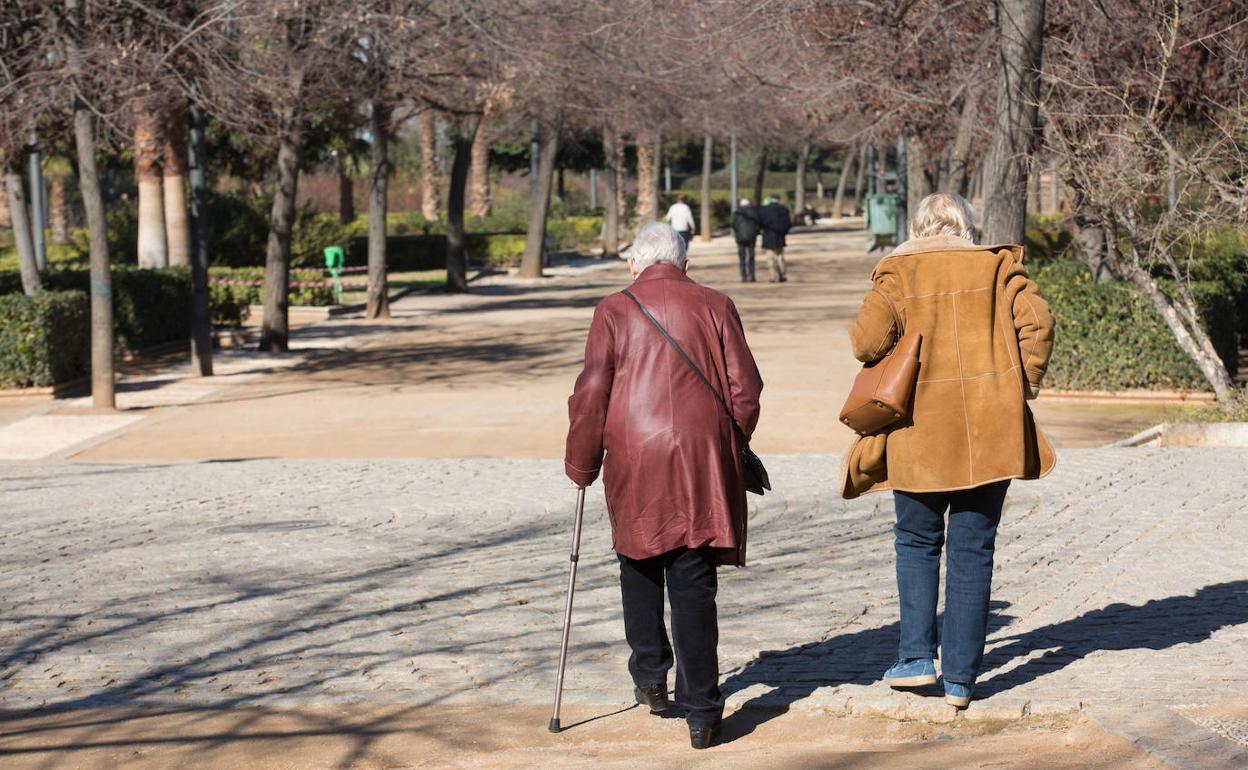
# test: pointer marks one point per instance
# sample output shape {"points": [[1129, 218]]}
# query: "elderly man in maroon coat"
{"points": [[669, 455]]}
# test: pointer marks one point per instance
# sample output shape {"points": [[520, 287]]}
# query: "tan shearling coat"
{"points": [[987, 338]]}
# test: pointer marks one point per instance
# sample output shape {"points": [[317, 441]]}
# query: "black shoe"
{"points": [[653, 696], [703, 737]]}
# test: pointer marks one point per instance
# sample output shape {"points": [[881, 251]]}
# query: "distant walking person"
{"points": [[674, 485], [774, 218], [745, 229], [680, 217], [986, 340]]}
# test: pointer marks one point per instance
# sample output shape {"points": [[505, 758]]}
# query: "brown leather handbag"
{"points": [[883, 391]]}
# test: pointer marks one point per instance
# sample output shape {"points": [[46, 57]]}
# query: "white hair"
{"points": [[744, 202], [943, 214], [657, 242]]}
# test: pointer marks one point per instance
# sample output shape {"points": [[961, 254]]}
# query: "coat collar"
{"points": [[950, 243], [661, 270]]}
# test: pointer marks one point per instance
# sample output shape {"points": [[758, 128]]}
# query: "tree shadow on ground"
{"points": [[1155, 625]]}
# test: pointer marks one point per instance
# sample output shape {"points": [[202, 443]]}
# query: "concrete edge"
{"points": [[1171, 738]]}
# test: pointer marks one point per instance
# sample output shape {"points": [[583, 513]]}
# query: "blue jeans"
{"points": [[920, 536]]}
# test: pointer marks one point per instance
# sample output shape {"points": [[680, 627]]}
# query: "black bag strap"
{"points": [[676, 345]]}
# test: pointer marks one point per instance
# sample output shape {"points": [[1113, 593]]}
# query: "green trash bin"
{"points": [[882, 214], [335, 260]]}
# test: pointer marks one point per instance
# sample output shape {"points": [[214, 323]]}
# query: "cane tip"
{"points": [[554, 726]]}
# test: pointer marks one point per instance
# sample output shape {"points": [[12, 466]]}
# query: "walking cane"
{"points": [[567, 608]]}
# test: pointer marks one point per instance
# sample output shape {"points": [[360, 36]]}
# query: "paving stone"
{"points": [[1119, 579]]}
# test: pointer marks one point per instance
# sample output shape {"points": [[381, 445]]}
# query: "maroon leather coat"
{"points": [[671, 470]]}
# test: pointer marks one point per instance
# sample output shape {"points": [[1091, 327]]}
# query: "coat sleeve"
{"points": [[587, 407], [1032, 321], [745, 384], [874, 331]]}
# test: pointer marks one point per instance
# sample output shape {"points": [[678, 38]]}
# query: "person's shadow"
{"points": [[1155, 625], [861, 657]]}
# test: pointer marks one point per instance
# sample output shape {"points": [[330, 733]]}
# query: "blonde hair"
{"points": [[943, 214]]}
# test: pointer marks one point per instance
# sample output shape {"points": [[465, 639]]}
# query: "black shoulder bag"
{"points": [[752, 470]]}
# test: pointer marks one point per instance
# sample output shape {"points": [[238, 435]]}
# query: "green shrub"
{"points": [[230, 301], [44, 339], [577, 232], [1109, 336]]}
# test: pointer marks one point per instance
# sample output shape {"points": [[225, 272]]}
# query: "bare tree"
{"points": [[708, 157], [539, 200], [20, 222]]}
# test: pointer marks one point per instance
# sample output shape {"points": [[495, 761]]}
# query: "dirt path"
{"points": [[511, 737], [489, 373]]}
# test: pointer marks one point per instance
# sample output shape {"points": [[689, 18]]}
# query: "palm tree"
{"points": [[153, 248]]}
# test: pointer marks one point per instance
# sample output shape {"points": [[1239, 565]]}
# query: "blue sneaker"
{"points": [[958, 695], [913, 672]]}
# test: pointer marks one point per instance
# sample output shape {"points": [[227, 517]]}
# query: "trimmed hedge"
{"points": [[1109, 336], [44, 339]]}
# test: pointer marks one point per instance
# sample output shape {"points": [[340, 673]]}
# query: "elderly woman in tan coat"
{"points": [[986, 340]]}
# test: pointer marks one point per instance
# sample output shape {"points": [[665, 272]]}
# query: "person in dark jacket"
{"points": [[774, 218], [745, 229], [669, 454]]}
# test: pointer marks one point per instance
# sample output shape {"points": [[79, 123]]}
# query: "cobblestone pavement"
{"points": [[1121, 579]]}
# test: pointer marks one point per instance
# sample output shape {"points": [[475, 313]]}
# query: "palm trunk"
{"points": [[1021, 25], [346, 190], [760, 177], [708, 160], [20, 222], [379, 161], [102, 387], [58, 210], [430, 204], [647, 183], [959, 180], [918, 184], [539, 204], [153, 248], [275, 330], [456, 243], [177, 223], [799, 180], [838, 203], [611, 208], [480, 186], [860, 178]]}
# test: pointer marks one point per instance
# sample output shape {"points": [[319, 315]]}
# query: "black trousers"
{"points": [[691, 587], [745, 260]]}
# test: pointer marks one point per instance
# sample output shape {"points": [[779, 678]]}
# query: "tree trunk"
{"points": [[647, 184], [102, 387], [1021, 25], [481, 202], [430, 204], [466, 130], [708, 161], [5, 220], [1089, 239], [275, 331], [799, 180], [621, 186], [1195, 341], [611, 207], [838, 203], [177, 223], [539, 203], [58, 210], [19, 216], [153, 250], [918, 183], [958, 181], [346, 190], [760, 177], [379, 164], [860, 179], [201, 312], [655, 208]]}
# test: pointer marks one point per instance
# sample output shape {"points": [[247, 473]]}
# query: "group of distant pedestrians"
{"points": [[772, 220]]}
